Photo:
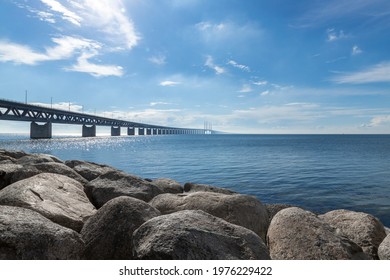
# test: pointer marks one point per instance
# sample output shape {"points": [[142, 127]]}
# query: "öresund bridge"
{"points": [[42, 118]]}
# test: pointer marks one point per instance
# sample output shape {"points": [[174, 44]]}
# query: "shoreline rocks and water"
{"points": [[54, 209]]}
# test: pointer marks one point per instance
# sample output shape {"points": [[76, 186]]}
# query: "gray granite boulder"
{"points": [[196, 235], [108, 234], [57, 197], [37, 158], [363, 229], [384, 249], [191, 187], [9, 154], [116, 183], [89, 170], [7, 171], [239, 209], [168, 185], [296, 234], [272, 209], [27, 235]]}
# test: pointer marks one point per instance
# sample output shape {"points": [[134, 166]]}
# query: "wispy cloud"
{"points": [[260, 83], [245, 88], [264, 93], [65, 47], [158, 59], [333, 35], [159, 103], [239, 66], [65, 13], [210, 63], [378, 121], [97, 70], [356, 50], [169, 83], [373, 74]]}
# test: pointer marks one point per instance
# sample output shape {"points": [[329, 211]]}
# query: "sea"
{"points": [[317, 172]]}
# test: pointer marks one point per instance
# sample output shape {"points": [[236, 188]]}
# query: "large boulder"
{"points": [[37, 158], [168, 185], [384, 249], [108, 234], [273, 209], [362, 228], [27, 235], [191, 187], [239, 209], [88, 170], [7, 171], [116, 183], [196, 235], [59, 168], [57, 197], [296, 234], [9, 154]]}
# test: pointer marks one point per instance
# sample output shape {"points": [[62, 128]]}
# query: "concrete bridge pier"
{"points": [[89, 131], [130, 131], [154, 131], [43, 131], [141, 131], [115, 131], [148, 131]]}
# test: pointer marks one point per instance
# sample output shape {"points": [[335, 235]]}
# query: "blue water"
{"points": [[318, 172]]}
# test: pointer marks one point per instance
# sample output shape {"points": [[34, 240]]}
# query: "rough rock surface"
{"points": [[272, 209], [88, 170], [363, 229], [47, 167], [37, 158], [296, 234], [108, 234], [12, 154], [27, 235], [57, 197], [196, 235], [239, 209], [168, 185], [191, 187], [384, 249], [7, 171], [116, 183]]}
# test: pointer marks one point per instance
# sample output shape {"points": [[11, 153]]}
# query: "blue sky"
{"points": [[252, 66]]}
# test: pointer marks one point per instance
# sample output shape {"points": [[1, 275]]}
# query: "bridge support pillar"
{"points": [[115, 131], [38, 131], [89, 131], [130, 131], [141, 131], [154, 130], [148, 131]]}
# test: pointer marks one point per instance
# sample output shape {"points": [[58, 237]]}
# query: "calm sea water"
{"points": [[318, 172]]}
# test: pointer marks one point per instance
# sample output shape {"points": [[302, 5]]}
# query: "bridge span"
{"points": [[42, 118]]}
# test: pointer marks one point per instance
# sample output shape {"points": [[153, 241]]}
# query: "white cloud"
{"points": [[373, 74], [65, 47], [334, 35], [264, 93], [356, 50], [68, 15], [240, 66], [108, 16], [245, 88], [169, 83], [20, 54], [159, 103], [158, 60], [96, 70], [379, 121], [210, 63], [260, 83]]}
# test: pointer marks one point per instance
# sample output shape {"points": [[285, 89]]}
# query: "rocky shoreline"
{"points": [[54, 209]]}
